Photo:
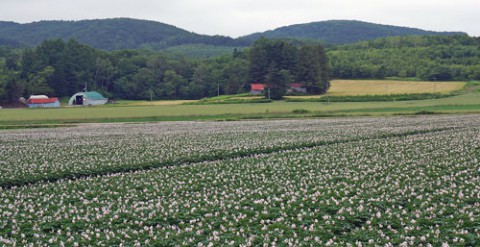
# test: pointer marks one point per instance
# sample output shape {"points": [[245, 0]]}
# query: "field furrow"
{"points": [[405, 190], [31, 156]]}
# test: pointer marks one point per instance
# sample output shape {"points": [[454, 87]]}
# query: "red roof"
{"points": [[42, 101], [257, 87]]}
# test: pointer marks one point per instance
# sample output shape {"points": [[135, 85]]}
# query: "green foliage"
{"points": [[278, 63], [473, 86], [225, 97], [340, 32], [59, 68], [301, 111], [440, 58], [313, 69], [125, 33], [245, 98], [200, 50], [38, 82], [108, 34]]}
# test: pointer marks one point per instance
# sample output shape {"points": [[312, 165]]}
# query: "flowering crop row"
{"points": [[30, 156], [421, 190]]}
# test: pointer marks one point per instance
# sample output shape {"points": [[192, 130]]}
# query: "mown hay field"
{"points": [[395, 181], [387, 87]]}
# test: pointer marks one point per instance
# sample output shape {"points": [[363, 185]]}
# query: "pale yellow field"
{"points": [[380, 87]]}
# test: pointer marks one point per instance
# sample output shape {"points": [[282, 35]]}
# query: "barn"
{"points": [[296, 88], [257, 88], [87, 98], [42, 101]]}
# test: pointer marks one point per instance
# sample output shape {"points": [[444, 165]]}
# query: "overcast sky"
{"points": [[241, 17]]}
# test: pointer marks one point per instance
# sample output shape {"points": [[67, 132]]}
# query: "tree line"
{"points": [[441, 58], [62, 68]]}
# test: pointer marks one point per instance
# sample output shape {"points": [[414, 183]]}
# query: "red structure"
{"points": [[42, 102], [257, 88]]}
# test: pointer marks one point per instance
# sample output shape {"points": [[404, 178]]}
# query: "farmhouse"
{"points": [[42, 101], [87, 98], [296, 88], [257, 88]]}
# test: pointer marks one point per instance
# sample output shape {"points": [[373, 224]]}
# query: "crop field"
{"points": [[384, 87], [387, 87], [395, 181]]}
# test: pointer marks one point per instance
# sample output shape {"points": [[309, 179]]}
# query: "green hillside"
{"points": [[341, 32], [125, 33], [106, 34]]}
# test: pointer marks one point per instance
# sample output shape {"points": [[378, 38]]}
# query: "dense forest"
{"points": [[59, 68], [440, 58]]}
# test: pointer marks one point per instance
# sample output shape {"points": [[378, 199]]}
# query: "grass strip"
{"points": [[296, 113], [231, 101], [34, 126]]}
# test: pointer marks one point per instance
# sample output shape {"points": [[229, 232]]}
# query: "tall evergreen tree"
{"points": [[308, 64], [313, 69]]}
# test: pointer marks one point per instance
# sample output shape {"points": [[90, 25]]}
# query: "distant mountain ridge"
{"points": [[126, 33], [108, 34], [343, 31]]}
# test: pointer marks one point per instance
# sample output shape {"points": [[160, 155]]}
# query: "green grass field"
{"points": [[142, 111], [466, 103]]}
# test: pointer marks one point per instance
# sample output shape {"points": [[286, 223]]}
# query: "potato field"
{"points": [[396, 181]]}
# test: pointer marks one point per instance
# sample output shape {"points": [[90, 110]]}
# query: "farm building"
{"points": [[257, 88], [42, 101], [296, 88], [87, 98]]}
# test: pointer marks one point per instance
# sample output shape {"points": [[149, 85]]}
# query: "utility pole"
{"points": [[218, 89]]}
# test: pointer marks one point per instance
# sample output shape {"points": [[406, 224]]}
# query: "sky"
{"points": [[242, 17]]}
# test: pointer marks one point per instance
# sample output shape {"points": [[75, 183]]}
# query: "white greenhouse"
{"points": [[87, 98]]}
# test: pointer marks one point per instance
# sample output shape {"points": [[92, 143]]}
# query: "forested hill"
{"points": [[440, 58], [339, 32], [107, 34], [125, 33]]}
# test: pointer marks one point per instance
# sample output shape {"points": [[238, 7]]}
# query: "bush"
{"points": [[301, 111]]}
